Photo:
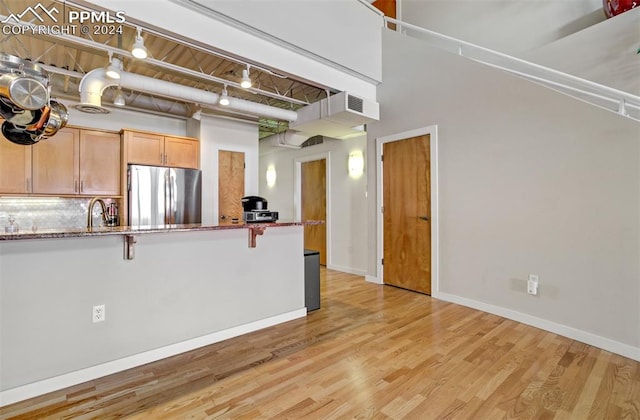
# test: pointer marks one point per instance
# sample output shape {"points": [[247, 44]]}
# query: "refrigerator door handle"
{"points": [[167, 198], [173, 204]]}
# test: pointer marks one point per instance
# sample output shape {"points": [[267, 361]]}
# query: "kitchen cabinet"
{"points": [[15, 167], [53, 163], [159, 150], [77, 162]]}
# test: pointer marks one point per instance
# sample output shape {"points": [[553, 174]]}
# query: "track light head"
{"points": [[224, 98], [138, 50], [114, 68], [246, 81]]}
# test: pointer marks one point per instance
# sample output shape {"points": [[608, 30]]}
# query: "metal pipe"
{"points": [[95, 82]]}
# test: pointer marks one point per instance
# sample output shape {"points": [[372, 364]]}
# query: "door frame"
{"points": [[297, 192], [432, 131]]}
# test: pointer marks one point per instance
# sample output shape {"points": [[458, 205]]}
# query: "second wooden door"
{"points": [[314, 205], [407, 214]]}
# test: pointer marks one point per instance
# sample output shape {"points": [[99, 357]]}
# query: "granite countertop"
{"points": [[140, 230]]}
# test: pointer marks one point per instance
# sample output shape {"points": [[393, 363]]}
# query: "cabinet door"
{"points": [[55, 163], [15, 167], [144, 148], [99, 163], [182, 152]]}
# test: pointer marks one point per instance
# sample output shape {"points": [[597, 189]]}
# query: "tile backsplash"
{"points": [[48, 212]]}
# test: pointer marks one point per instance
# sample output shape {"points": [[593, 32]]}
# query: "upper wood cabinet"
{"points": [[55, 170], [99, 163], [77, 162], [182, 152], [160, 150]]}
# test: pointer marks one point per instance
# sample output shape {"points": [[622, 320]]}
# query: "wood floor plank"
{"points": [[371, 351]]}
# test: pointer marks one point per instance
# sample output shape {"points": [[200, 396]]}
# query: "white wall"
{"points": [[343, 31], [347, 203], [530, 181], [181, 290], [605, 53], [509, 26], [222, 134], [206, 28]]}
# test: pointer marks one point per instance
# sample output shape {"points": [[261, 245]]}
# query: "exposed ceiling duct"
{"points": [[291, 138], [95, 82], [340, 116]]}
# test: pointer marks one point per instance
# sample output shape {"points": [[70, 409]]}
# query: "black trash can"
{"points": [[311, 279]]}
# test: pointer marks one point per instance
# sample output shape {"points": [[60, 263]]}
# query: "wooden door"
{"points": [[407, 214], [99, 163], [144, 148], [55, 163], [182, 152], [230, 185], [15, 167], [314, 205]]}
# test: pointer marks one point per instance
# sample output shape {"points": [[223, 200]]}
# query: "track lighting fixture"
{"points": [[118, 100], [246, 81], [197, 115], [114, 68], [224, 99], [138, 50]]}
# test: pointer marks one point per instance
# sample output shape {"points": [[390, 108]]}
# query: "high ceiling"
{"points": [[68, 56]]}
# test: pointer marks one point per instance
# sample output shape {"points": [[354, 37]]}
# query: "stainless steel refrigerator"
{"points": [[162, 196]]}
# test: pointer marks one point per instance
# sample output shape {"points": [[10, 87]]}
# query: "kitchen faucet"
{"points": [[90, 211]]}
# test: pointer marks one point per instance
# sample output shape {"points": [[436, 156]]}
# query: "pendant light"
{"points": [[118, 100]]}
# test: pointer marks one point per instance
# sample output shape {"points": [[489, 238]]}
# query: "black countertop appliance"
{"points": [[255, 210]]}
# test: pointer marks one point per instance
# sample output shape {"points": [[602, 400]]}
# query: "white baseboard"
{"points": [[35, 389], [604, 343], [373, 279], [349, 270]]}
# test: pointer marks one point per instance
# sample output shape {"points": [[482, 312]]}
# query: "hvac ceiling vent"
{"points": [[355, 104], [92, 109], [313, 141], [336, 116]]}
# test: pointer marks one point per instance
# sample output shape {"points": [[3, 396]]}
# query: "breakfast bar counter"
{"points": [[140, 230], [187, 286]]}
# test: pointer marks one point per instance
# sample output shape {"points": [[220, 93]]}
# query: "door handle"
{"points": [[223, 217], [426, 218]]}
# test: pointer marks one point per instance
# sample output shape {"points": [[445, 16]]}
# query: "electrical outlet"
{"points": [[532, 284], [99, 313]]}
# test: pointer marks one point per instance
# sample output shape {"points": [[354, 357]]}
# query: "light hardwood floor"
{"points": [[370, 352]]}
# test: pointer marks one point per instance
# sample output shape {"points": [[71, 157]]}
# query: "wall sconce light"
{"points": [[356, 164], [271, 176]]}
